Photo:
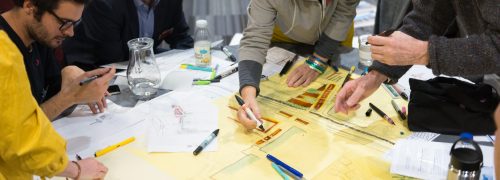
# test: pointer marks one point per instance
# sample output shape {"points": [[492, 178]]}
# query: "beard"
{"points": [[39, 33]]}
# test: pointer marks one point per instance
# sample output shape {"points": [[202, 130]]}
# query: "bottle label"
{"points": [[202, 55]]}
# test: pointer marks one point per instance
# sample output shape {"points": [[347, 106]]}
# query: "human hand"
{"points": [[92, 169], [100, 104], [91, 92], [399, 49], [301, 76], [356, 90], [248, 94]]}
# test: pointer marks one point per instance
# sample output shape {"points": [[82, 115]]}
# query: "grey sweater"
{"points": [[473, 50]]}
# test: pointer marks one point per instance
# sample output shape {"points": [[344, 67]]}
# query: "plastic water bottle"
{"points": [[202, 44], [466, 159]]}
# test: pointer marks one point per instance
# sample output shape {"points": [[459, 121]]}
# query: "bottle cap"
{"points": [[201, 23], [466, 158], [466, 135]]}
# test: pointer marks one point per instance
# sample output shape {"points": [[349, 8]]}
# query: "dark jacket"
{"points": [[473, 50], [107, 25]]}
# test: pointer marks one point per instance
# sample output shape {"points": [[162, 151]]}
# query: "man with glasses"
{"points": [[37, 26]]}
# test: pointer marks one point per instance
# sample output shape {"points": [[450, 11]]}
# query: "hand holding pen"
{"points": [[398, 49], [249, 114]]}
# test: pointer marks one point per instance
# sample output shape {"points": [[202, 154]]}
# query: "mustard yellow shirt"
{"points": [[29, 145], [278, 36]]}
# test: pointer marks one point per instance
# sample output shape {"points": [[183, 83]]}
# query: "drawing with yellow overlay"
{"points": [[301, 130]]}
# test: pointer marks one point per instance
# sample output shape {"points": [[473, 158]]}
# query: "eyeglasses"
{"points": [[65, 23]]}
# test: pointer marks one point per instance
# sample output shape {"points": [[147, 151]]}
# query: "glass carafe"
{"points": [[143, 74]]}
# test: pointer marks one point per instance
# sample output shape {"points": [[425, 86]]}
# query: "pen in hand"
{"points": [[90, 79], [385, 33], [250, 113]]}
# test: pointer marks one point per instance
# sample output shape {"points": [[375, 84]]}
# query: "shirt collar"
{"points": [[139, 3]]}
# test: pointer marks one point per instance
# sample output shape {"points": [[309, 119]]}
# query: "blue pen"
{"points": [[282, 164], [280, 172]]}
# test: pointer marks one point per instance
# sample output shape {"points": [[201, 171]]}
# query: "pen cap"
{"points": [[240, 101]]}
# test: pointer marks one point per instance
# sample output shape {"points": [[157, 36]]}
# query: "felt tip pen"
{"points": [[193, 67], [288, 65], [113, 147], [285, 166], [205, 82], [400, 92], [396, 107], [227, 73], [205, 143], [78, 157], [250, 113], [228, 54], [280, 172], [381, 113], [348, 75], [214, 71]]}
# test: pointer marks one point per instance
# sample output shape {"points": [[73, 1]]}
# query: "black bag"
{"points": [[450, 106]]}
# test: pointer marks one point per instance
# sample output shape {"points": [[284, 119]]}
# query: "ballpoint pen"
{"points": [[348, 75], [228, 54], [207, 141], [113, 147], [285, 166], [250, 113], [90, 79], [78, 157], [381, 113], [385, 33], [288, 65], [396, 107]]}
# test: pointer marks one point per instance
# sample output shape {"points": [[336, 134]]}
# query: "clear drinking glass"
{"points": [[365, 54], [143, 74]]}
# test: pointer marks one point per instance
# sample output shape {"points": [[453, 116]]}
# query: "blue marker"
{"points": [[285, 166]]}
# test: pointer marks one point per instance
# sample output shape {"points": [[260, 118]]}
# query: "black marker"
{"points": [[228, 54], [227, 73], [250, 113], [206, 142], [288, 65]]}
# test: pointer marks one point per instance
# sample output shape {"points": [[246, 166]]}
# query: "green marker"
{"points": [[201, 82]]}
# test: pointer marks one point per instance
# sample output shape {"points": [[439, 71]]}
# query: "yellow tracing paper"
{"points": [[301, 130]]}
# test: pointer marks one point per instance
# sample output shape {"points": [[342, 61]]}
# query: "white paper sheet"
{"points": [[84, 130], [427, 160], [179, 122]]}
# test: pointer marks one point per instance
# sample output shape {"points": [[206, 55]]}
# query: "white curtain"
{"points": [[225, 17]]}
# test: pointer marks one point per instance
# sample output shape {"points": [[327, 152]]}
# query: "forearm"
{"points": [[325, 47], [392, 72], [70, 171], [56, 105], [249, 74], [474, 55], [426, 18]]}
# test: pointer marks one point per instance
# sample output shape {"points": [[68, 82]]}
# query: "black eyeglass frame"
{"points": [[65, 23]]}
